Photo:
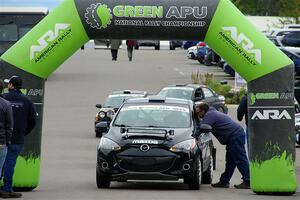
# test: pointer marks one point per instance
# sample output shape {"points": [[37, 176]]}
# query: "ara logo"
{"points": [[245, 42], [48, 37], [271, 114]]}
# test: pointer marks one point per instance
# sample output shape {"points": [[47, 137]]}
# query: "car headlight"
{"points": [[101, 114], [108, 145], [184, 146], [110, 113]]}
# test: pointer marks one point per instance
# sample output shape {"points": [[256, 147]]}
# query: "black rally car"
{"points": [[155, 139]]}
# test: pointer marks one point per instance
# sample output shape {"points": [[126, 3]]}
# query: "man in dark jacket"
{"points": [[6, 126], [24, 121], [232, 135]]}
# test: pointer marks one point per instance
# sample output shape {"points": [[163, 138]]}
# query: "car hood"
{"points": [[149, 136]]}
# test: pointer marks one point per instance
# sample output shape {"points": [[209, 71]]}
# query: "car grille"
{"points": [[154, 160]]}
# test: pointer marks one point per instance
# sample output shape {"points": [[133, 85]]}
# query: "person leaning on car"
{"points": [[232, 135], [24, 115], [6, 126]]}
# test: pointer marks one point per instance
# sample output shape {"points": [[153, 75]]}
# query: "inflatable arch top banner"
{"points": [[219, 23]]}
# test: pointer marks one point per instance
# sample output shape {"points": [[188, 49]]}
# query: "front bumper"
{"points": [[157, 164]]}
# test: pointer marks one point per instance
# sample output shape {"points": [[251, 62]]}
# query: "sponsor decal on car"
{"points": [[144, 142], [156, 107]]}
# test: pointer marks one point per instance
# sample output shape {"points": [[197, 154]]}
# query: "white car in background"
{"points": [[192, 52]]}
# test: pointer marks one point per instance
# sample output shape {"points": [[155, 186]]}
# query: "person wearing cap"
{"points": [[231, 134], [24, 115], [6, 126]]}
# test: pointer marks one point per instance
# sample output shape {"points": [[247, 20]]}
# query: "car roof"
{"points": [[134, 92], [194, 86], [159, 99]]}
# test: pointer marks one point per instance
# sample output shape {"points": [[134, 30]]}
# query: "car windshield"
{"points": [[154, 115], [176, 92], [115, 101]]}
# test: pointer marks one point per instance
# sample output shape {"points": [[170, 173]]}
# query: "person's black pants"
{"points": [[114, 54]]}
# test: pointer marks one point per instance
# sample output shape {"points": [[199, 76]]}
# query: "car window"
{"points": [[198, 93], [283, 33], [207, 92], [160, 115], [116, 100], [176, 92]]}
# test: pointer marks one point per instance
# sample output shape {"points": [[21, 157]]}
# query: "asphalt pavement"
{"points": [[68, 166]]}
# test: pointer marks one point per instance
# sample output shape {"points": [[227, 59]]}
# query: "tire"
{"points": [[200, 61], [136, 47], [207, 176], [172, 48], [102, 181], [194, 178], [99, 134], [157, 47]]}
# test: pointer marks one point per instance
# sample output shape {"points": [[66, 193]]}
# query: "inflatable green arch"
{"points": [[268, 71]]}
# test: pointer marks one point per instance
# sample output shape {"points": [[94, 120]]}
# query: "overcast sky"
{"points": [[51, 4]]}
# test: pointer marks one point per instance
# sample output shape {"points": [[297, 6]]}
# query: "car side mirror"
{"points": [[98, 106], [204, 128], [102, 126]]}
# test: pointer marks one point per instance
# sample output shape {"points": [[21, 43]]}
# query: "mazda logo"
{"points": [[144, 147]]}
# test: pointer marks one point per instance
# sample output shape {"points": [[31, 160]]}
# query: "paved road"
{"points": [[69, 144]]}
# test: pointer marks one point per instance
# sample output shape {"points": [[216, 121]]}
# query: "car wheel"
{"points": [[102, 181], [195, 177], [207, 176], [136, 47], [172, 48], [200, 61], [99, 134]]}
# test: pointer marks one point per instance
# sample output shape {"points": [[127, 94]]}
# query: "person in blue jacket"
{"points": [[231, 134], [24, 115]]}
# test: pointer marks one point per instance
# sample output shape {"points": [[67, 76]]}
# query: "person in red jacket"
{"points": [[130, 44]]}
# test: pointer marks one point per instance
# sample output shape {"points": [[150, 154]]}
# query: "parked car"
{"points": [[100, 43], [189, 43], [201, 52], [195, 92], [294, 57], [228, 69], [111, 106], [175, 44], [297, 127], [191, 52], [148, 43], [155, 139], [292, 26]]}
